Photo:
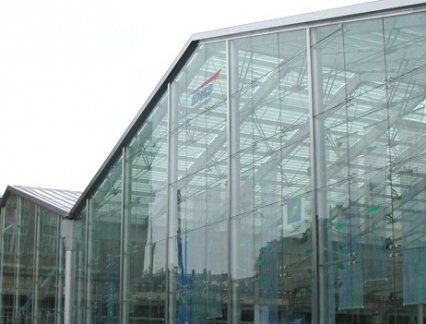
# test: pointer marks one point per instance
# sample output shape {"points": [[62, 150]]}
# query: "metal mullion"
{"points": [[36, 270], [169, 130], [233, 136], [17, 257], [77, 309], [124, 241], [228, 108], [89, 252], [315, 261], [60, 273], [122, 247], [324, 295]]}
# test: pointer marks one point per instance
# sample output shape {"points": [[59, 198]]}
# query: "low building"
{"points": [[32, 254]]}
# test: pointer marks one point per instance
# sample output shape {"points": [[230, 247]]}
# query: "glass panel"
{"points": [[194, 244], [270, 175], [198, 182], [198, 112], [25, 262], [9, 237], [104, 249], [352, 146], [79, 267], [201, 278], [369, 113], [243, 272], [146, 220], [49, 248], [216, 192], [216, 273], [191, 304], [405, 39]]}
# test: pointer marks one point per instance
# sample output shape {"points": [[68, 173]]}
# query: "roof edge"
{"points": [[310, 18], [14, 190], [152, 99], [330, 15]]}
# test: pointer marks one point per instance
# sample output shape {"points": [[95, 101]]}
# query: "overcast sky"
{"points": [[73, 74]]}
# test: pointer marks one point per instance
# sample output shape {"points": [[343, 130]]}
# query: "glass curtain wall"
{"points": [[120, 245], [368, 97], [197, 256], [271, 237], [145, 221], [278, 179], [49, 267], [103, 249], [31, 264]]}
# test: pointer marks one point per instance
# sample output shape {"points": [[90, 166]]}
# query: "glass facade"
{"points": [[369, 101], [276, 176], [31, 263]]}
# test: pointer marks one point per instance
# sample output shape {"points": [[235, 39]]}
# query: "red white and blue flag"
{"points": [[203, 92]]}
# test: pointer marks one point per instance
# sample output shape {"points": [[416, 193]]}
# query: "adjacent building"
{"points": [[32, 258]]}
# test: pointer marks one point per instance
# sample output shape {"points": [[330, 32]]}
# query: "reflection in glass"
{"points": [[31, 267], [271, 264], [103, 274], [366, 175]]}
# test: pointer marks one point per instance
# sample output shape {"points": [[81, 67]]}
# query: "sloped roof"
{"points": [[55, 200]]}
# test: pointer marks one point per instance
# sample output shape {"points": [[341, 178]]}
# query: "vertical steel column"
{"points": [[233, 133], [59, 276], [79, 272], [315, 263], [172, 175], [89, 277], [67, 287], [36, 263], [420, 314], [228, 111], [17, 259], [319, 181], [124, 238], [67, 236]]}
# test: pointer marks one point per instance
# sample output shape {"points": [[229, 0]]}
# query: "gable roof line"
{"points": [[58, 206], [311, 18], [328, 15]]}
